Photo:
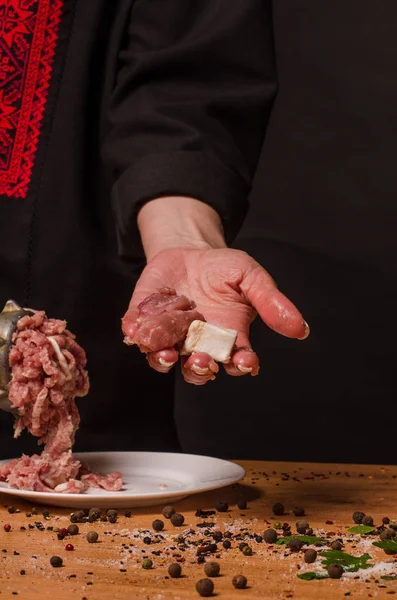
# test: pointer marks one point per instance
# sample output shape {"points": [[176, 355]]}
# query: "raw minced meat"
{"points": [[48, 372]]}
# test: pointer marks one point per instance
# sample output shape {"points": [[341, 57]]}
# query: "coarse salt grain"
{"points": [[382, 568]]}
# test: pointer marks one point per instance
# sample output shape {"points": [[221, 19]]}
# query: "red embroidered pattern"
{"points": [[28, 38]]}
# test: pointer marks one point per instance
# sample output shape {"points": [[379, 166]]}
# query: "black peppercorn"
{"points": [[205, 587], [147, 563], [278, 509], [385, 520], [336, 545], [147, 540], [242, 504], [158, 525], [302, 526], [212, 569], [46, 513], [175, 570], [387, 534], [241, 545], [298, 511], [258, 539], [247, 550], [217, 536], [310, 555], [367, 520], [177, 519], [92, 537], [77, 517], [239, 582], [226, 544], [128, 514], [94, 514], [112, 515], [335, 571], [73, 529], [295, 544], [270, 536], [56, 561], [221, 506], [358, 517], [168, 511]]}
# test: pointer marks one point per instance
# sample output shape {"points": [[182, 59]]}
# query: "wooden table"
{"points": [[111, 568]]}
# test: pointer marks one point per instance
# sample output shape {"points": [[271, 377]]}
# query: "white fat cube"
{"points": [[216, 341]]}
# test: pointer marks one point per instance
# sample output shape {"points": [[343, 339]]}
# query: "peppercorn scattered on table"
{"points": [[286, 531]]}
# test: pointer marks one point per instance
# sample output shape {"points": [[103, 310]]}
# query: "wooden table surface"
{"points": [[111, 568]]}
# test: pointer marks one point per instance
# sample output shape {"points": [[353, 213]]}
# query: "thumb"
{"points": [[149, 282], [279, 313], [129, 321]]}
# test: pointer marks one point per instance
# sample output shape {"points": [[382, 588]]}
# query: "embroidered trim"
{"points": [[29, 32]]}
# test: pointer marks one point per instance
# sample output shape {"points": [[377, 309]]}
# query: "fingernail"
{"points": [[307, 331], [244, 369], [199, 370], [165, 363]]}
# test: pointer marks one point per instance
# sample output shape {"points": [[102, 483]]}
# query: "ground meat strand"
{"points": [[47, 374]]}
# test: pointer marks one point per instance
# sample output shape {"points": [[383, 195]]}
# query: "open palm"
{"points": [[229, 288]]}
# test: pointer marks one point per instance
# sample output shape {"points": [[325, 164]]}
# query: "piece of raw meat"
{"points": [[163, 321]]}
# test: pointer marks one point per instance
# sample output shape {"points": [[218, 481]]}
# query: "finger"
{"points": [[164, 360], [272, 306], [243, 359], [238, 317], [129, 323], [198, 368], [243, 362]]}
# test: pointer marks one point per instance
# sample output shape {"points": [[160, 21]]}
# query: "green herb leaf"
{"points": [[347, 561], [309, 540], [387, 545], [389, 577], [362, 529], [310, 575]]}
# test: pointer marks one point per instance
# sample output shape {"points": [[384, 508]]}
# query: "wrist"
{"points": [[176, 222]]}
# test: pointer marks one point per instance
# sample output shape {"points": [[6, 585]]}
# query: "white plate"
{"points": [[150, 478]]}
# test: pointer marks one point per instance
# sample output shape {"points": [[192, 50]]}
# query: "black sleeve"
{"points": [[194, 89]]}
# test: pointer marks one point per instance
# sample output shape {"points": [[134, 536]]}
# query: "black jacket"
{"points": [[106, 105]]}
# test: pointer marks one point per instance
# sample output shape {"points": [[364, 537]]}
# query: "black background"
{"points": [[323, 221]]}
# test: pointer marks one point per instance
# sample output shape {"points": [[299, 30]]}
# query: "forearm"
{"points": [[176, 222], [188, 113]]}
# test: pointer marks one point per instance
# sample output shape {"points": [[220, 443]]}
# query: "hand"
{"points": [[229, 288]]}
